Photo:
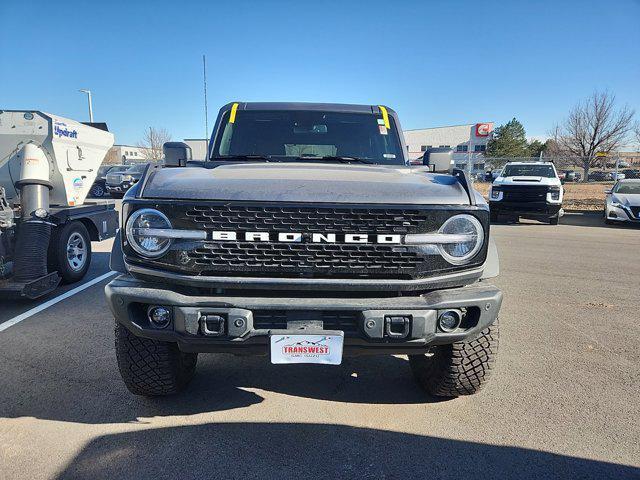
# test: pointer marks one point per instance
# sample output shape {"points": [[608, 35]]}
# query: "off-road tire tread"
{"points": [[150, 367], [461, 368]]}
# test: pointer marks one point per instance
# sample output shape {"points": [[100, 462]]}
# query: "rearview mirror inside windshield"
{"points": [[310, 129]]}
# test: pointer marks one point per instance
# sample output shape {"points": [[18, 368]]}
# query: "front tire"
{"points": [[150, 367], [97, 191], [460, 368], [70, 251]]}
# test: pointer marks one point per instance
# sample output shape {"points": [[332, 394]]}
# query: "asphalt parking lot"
{"points": [[563, 402]]}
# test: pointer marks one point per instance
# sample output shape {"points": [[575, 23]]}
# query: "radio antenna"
{"points": [[206, 116]]}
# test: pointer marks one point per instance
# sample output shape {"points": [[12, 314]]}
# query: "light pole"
{"points": [[88, 92]]}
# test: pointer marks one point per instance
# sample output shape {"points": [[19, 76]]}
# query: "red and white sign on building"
{"points": [[483, 129]]}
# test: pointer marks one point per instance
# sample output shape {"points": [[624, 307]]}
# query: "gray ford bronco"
{"points": [[305, 235]]}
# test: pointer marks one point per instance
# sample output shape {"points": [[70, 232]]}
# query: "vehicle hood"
{"points": [[306, 182], [526, 181], [628, 199]]}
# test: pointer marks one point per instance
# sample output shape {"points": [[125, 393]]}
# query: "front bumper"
{"points": [[542, 209], [121, 188], [617, 214], [245, 331]]}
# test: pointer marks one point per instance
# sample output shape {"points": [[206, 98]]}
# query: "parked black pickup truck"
{"points": [[118, 182], [99, 189]]}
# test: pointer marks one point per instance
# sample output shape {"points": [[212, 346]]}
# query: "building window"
{"points": [[135, 154], [462, 148], [479, 148], [445, 146], [423, 148]]}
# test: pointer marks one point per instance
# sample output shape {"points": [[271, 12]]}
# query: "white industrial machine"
{"points": [[47, 167]]}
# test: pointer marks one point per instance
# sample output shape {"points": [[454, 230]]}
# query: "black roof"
{"points": [[327, 107]]}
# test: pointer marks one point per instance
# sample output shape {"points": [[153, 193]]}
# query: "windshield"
{"points": [[295, 135], [528, 171], [137, 168], [628, 188]]}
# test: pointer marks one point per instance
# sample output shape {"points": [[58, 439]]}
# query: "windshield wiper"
{"points": [[334, 158]]}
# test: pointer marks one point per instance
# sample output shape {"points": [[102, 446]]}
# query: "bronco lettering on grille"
{"points": [[297, 237]]}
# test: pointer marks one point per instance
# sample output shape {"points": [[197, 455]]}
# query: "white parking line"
{"points": [[53, 301]]}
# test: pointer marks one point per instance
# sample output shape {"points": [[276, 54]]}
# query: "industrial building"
{"points": [[469, 142], [125, 155]]}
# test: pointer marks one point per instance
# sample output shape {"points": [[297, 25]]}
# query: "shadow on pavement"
{"points": [[594, 219], [293, 451], [71, 391]]}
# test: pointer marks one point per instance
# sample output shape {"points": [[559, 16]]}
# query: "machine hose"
{"points": [[31, 251]]}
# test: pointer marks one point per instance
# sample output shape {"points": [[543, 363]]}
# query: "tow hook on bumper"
{"points": [[397, 326]]}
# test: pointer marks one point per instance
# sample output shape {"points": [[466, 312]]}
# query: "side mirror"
{"points": [[439, 159], [176, 154], [562, 180], [608, 191]]}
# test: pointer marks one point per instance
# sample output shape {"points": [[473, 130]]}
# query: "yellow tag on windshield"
{"points": [[232, 116], [385, 116]]}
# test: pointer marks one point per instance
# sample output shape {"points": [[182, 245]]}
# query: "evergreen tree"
{"points": [[508, 140], [535, 148]]}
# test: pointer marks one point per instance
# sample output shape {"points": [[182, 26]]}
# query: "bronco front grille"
{"points": [[293, 258], [306, 259]]}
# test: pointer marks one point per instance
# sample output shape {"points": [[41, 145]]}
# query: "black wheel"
{"points": [[150, 367], [461, 368], [493, 216], [70, 251], [97, 190], [116, 195], [554, 220]]}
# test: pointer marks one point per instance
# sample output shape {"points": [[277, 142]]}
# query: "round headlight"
{"points": [[140, 238], [461, 252]]}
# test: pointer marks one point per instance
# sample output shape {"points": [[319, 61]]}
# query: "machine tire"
{"points": [[97, 191], [58, 251], [150, 367], [460, 368], [116, 195]]}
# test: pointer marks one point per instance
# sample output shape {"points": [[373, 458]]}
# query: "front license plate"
{"points": [[326, 349]]}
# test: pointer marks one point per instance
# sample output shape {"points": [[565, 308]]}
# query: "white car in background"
{"points": [[616, 176], [622, 203]]}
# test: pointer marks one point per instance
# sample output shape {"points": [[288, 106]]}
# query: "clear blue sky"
{"points": [[436, 63]]}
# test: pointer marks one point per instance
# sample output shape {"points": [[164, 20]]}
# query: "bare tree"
{"points": [[593, 126], [151, 143], [636, 131]]}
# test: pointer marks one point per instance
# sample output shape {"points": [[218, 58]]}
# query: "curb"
{"points": [[583, 212]]}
